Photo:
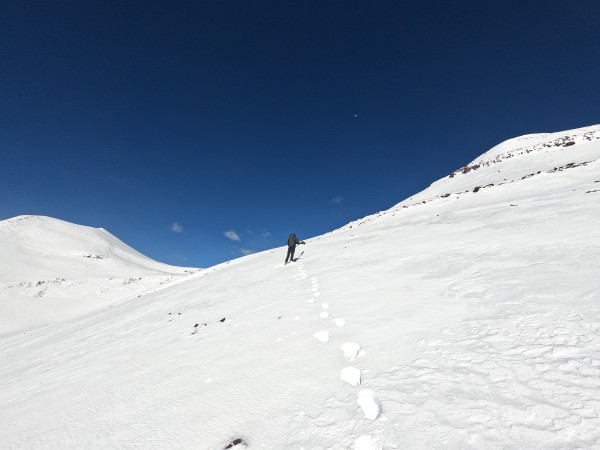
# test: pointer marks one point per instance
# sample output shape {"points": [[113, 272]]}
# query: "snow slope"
{"points": [[54, 270], [458, 322]]}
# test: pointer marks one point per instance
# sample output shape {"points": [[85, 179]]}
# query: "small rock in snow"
{"points": [[369, 403], [366, 443], [235, 443], [350, 375], [322, 336]]}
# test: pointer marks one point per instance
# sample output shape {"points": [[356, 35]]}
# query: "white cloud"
{"points": [[176, 228], [266, 234], [245, 251], [231, 234], [336, 200]]}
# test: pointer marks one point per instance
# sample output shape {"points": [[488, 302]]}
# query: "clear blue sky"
{"points": [[171, 123]]}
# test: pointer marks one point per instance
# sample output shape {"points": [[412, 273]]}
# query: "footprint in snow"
{"points": [[322, 336], [350, 375], [325, 305], [369, 403], [339, 322], [324, 315], [351, 350], [366, 442]]}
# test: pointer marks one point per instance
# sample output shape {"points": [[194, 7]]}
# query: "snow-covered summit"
{"points": [[53, 270], [46, 247], [538, 142], [508, 163], [515, 160]]}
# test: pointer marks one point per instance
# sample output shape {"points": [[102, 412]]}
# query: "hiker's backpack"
{"points": [[292, 240]]}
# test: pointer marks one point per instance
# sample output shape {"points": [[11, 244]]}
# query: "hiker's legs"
{"points": [[289, 253]]}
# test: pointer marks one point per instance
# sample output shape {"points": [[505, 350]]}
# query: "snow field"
{"points": [[366, 399], [479, 313]]}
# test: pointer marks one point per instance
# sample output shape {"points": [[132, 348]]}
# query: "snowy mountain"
{"points": [[54, 270], [467, 316]]}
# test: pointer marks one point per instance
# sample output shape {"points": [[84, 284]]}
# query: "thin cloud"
{"points": [[336, 200], [246, 251], [176, 228], [232, 235], [179, 257]]}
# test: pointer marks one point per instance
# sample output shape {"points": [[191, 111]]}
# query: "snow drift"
{"points": [[470, 312]]}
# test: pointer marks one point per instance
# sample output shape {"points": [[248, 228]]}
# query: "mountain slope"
{"points": [[54, 270], [477, 316]]}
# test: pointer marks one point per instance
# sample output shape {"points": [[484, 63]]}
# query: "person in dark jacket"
{"points": [[292, 242]]}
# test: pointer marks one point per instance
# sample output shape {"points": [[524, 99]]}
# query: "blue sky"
{"points": [[173, 123]]}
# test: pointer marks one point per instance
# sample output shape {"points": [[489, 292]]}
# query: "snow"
{"points": [[350, 350], [474, 320], [53, 271], [350, 375], [339, 322], [322, 336], [369, 403], [366, 442]]}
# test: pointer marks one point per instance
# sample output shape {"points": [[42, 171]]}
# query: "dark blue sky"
{"points": [[240, 115]]}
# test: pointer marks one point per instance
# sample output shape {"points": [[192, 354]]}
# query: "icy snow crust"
{"points": [[474, 320], [52, 271]]}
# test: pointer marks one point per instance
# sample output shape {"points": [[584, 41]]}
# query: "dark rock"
{"points": [[235, 443]]}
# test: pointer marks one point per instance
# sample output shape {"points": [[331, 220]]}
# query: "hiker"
{"points": [[292, 242]]}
